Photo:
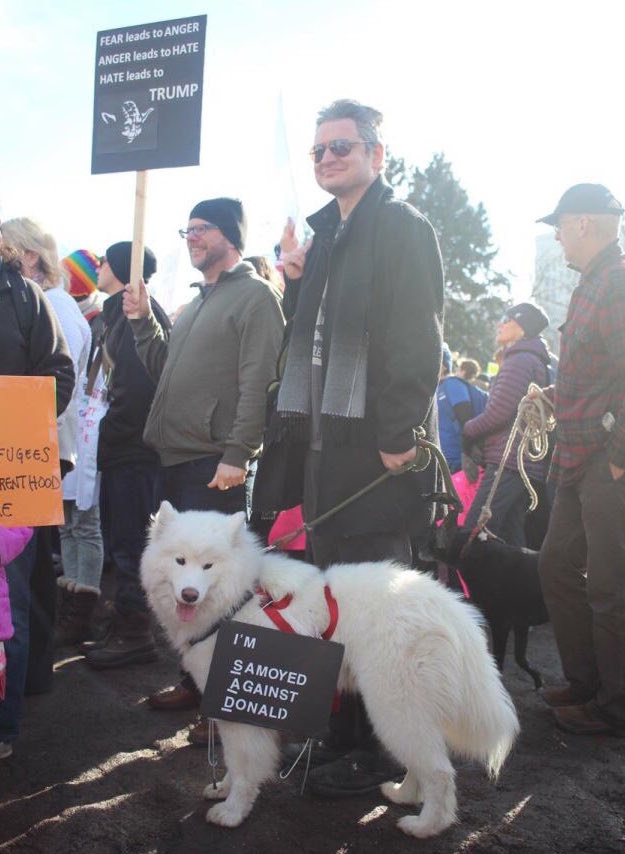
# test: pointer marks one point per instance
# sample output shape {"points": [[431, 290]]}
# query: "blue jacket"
{"points": [[451, 391]]}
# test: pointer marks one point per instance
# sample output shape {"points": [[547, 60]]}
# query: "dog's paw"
{"points": [[414, 825], [225, 815], [406, 792], [216, 792]]}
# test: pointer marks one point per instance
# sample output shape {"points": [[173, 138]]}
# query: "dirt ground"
{"points": [[96, 770]]}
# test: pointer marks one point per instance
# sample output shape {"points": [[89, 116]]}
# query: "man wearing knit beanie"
{"points": [[129, 468], [229, 217], [208, 414], [118, 258]]}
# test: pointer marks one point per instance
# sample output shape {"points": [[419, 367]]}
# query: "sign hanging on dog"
{"points": [[30, 473], [148, 96], [267, 678]]}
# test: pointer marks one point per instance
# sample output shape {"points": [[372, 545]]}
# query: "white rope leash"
{"points": [[534, 420]]}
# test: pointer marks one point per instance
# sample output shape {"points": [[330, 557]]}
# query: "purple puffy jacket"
{"points": [[13, 541], [524, 362]]}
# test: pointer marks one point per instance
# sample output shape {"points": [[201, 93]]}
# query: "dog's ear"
{"points": [[237, 526], [164, 515]]}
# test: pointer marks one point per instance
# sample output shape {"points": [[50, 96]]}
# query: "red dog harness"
{"points": [[273, 608]]}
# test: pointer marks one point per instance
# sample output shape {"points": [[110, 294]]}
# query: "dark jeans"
{"points": [[350, 726], [537, 522], [43, 591], [185, 486], [19, 573], [508, 507], [131, 496], [582, 572]]}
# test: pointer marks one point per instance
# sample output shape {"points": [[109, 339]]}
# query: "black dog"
{"points": [[503, 583]]}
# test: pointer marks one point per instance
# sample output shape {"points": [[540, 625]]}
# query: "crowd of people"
{"points": [[271, 392]]}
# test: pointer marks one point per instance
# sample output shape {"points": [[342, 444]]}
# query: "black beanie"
{"points": [[530, 318], [118, 257], [228, 215]]}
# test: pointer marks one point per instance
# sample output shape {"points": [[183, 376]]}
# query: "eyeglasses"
{"points": [[338, 147], [196, 230], [566, 218]]}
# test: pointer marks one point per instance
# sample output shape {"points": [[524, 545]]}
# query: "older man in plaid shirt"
{"points": [[582, 562]]}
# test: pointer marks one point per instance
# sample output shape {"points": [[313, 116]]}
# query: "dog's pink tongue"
{"points": [[185, 612]]}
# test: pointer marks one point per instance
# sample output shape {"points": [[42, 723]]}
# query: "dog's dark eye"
{"points": [[207, 566], [181, 561]]}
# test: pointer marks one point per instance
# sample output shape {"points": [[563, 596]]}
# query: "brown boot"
{"points": [[130, 642], [74, 617]]}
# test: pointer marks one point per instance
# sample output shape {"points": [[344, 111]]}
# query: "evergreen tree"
{"points": [[475, 294]]}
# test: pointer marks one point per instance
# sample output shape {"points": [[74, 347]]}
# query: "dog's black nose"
{"points": [[190, 595]]}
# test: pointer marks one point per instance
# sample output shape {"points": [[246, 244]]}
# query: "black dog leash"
{"points": [[425, 451]]}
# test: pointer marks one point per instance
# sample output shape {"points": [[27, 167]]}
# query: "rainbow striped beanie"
{"points": [[82, 266]]}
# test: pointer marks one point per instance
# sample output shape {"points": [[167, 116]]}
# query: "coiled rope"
{"points": [[534, 421]]}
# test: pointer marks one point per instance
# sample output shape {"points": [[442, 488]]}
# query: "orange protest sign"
{"points": [[30, 472]]}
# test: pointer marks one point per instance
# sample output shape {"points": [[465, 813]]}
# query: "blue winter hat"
{"points": [[531, 318]]}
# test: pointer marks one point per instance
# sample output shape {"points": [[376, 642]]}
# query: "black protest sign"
{"points": [[148, 96], [271, 679]]}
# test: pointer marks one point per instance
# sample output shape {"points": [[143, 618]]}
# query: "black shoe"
{"points": [[74, 619], [131, 642], [102, 627], [356, 773], [321, 753]]}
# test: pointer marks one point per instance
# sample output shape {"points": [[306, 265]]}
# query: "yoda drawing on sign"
{"points": [[134, 120]]}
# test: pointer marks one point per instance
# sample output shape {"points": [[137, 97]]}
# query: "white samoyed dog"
{"points": [[413, 649]]}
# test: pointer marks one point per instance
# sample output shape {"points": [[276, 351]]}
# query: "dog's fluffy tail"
{"points": [[487, 724]]}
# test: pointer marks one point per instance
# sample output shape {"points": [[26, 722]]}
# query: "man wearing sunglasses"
{"points": [[207, 418], [365, 298]]}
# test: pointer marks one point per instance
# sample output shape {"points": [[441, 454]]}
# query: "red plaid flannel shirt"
{"points": [[591, 375]]}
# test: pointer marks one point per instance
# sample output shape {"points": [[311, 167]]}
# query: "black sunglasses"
{"points": [[338, 147]]}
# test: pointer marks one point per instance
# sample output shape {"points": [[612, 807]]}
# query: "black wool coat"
{"points": [[130, 390], [33, 343], [404, 329]]}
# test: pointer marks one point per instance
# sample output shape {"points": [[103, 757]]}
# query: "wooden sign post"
{"points": [[138, 241]]}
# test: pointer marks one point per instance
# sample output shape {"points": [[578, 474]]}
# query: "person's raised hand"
{"points": [[293, 255], [136, 305]]}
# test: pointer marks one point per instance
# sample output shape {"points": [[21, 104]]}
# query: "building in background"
{"points": [[553, 285]]}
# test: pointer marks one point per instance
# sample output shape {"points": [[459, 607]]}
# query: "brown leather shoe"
{"points": [[584, 720], [565, 695], [198, 733], [172, 699]]}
